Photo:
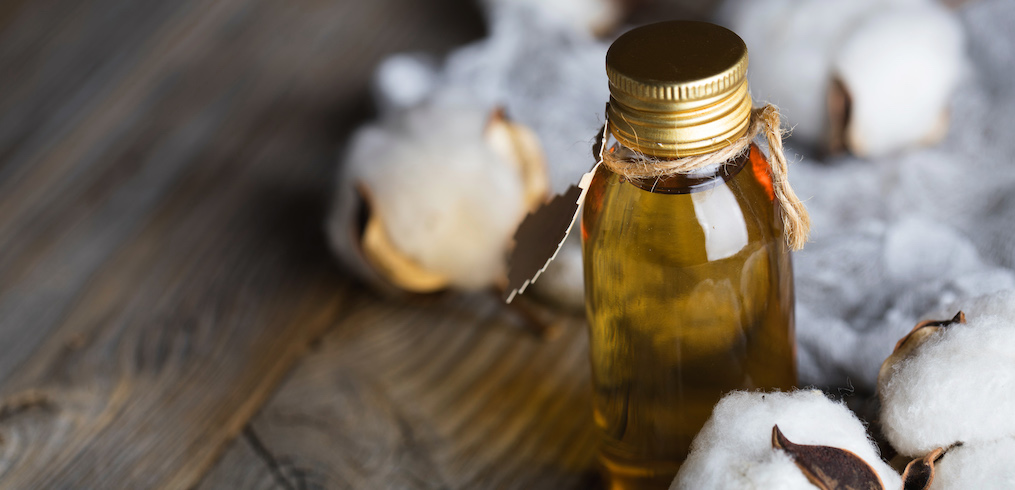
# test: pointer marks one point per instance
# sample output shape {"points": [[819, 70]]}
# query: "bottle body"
{"points": [[689, 294]]}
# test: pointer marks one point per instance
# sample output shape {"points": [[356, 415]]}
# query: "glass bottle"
{"points": [[688, 279]]}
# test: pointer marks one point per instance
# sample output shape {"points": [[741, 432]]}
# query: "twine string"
{"points": [[796, 221]]}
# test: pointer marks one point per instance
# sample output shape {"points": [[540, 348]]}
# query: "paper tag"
{"points": [[543, 231]]}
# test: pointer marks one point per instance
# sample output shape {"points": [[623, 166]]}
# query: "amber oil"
{"points": [[688, 279], [689, 295]]}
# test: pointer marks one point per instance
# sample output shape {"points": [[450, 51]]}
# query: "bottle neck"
{"points": [[697, 181]]}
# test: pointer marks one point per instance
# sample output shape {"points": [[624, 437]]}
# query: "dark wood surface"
{"points": [[441, 395], [170, 315]]}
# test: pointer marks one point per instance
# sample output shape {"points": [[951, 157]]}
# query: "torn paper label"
{"points": [[542, 233]]}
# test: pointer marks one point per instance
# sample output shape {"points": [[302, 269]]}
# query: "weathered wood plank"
{"points": [[162, 262], [432, 396], [74, 187]]}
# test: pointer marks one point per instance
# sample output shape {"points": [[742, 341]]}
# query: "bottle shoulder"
{"points": [[702, 218]]}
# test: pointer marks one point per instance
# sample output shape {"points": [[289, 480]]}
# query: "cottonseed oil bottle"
{"points": [[688, 278]]}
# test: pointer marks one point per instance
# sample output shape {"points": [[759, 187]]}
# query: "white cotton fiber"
{"points": [[985, 466], [549, 79], [920, 250], [899, 60], [958, 386], [447, 200], [900, 66], [734, 448], [791, 45], [1000, 304]]}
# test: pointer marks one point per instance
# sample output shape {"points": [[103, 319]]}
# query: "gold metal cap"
{"points": [[678, 88]]}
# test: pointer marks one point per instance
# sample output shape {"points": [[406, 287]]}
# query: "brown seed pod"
{"points": [[829, 468], [919, 472]]}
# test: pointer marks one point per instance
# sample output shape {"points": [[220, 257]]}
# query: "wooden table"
{"points": [[170, 315]]}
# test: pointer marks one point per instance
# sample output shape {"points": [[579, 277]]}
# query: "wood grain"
{"points": [[164, 167], [440, 395]]}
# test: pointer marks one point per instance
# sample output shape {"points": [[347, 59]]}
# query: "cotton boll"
{"points": [[448, 202], [734, 448], [980, 466], [899, 61], [546, 76], [958, 386], [899, 67], [791, 44]]}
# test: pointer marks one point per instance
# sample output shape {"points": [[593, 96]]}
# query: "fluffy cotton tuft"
{"points": [[919, 250], [898, 59], [900, 67], [545, 75], [447, 200], [981, 466], [734, 448], [791, 44], [959, 386]]}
